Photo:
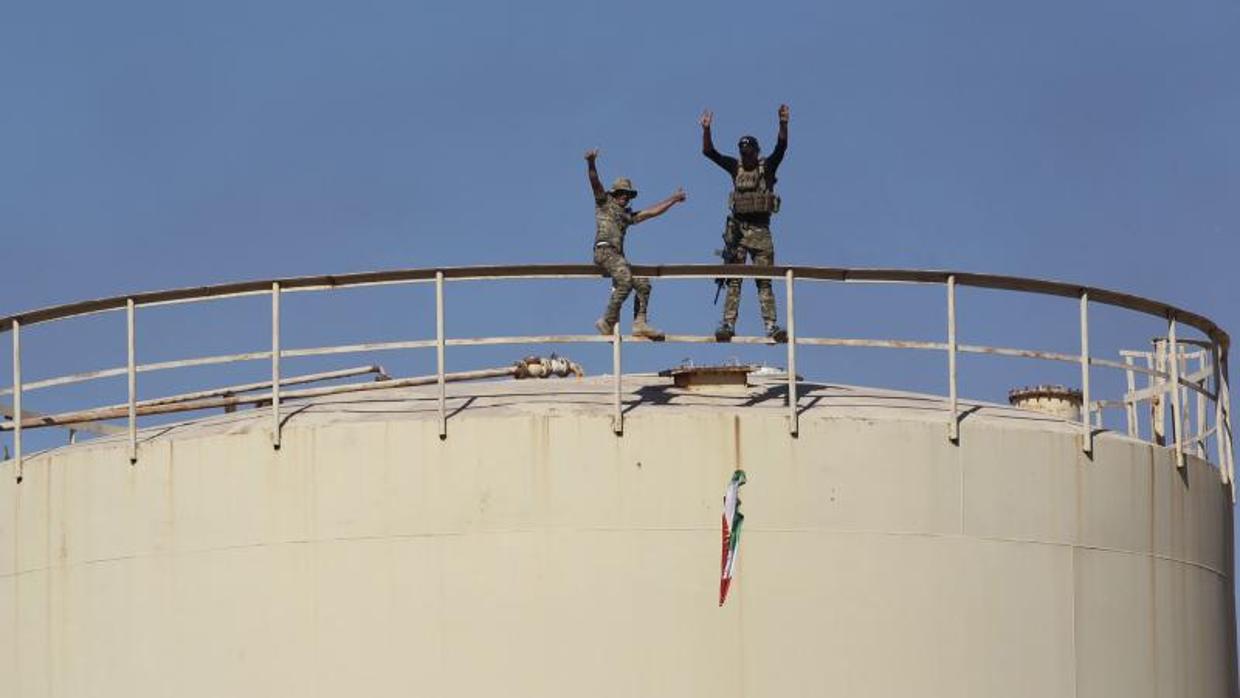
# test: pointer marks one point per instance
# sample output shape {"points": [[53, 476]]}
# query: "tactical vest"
{"points": [[749, 191]]}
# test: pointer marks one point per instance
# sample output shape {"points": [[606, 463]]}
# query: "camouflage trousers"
{"points": [[616, 266], [756, 244]]}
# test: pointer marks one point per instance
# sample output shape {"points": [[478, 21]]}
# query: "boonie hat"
{"points": [[623, 185]]}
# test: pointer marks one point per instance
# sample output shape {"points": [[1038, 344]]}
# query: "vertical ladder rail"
{"points": [[1186, 407], [1216, 358], [1229, 449], [1177, 422], [1158, 403], [1130, 406], [1202, 420]]}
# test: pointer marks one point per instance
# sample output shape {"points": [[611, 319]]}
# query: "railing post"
{"points": [[617, 419], [439, 346], [17, 399], [793, 426], [1177, 422], [1087, 429], [275, 364], [953, 426], [1130, 406], [132, 372]]}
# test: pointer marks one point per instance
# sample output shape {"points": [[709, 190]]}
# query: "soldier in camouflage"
{"points": [[613, 217], [748, 231]]}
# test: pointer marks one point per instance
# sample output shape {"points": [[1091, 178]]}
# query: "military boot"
{"points": [[604, 326], [641, 329], [725, 332], [776, 333]]}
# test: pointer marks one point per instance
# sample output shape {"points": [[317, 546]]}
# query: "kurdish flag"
{"points": [[732, 520]]}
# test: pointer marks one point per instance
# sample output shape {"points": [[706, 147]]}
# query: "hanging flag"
{"points": [[732, 520]]}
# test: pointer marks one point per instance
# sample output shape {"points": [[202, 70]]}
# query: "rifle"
{"points": [[731, 252]]}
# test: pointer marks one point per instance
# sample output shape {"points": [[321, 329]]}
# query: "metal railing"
{"points": [[1166, 367]]}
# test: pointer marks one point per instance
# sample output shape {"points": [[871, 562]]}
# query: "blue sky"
{"points": [[150, 145]]}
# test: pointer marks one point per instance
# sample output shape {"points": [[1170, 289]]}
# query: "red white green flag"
{"points": [[732, 519]]}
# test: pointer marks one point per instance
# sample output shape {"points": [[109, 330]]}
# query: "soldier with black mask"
{"points": [[748, 232]]}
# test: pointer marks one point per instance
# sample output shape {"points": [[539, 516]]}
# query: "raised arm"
{"points": [[781, 143], [661, 207], [708, 144], [595, 184]]}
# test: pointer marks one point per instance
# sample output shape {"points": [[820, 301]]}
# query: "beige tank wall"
{"points": [[539, 555]]}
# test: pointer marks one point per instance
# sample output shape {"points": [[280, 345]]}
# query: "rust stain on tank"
{"points": [[736, 441]]}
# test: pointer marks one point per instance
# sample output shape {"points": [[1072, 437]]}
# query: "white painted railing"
{"points": [[1166, 368]]}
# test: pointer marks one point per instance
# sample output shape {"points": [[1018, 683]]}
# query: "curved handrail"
{"points": [[299, 283], [1169, 379]]}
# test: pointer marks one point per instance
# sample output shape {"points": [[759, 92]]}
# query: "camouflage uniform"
{"points": [[752, 202], [753, 241], [612, 221], [748, 235]]}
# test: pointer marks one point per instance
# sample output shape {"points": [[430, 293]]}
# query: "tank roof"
{"points": [[642, 394]]}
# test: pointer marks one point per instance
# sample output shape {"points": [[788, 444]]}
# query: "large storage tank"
{"points": [[563, 537], [536, 553]]}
